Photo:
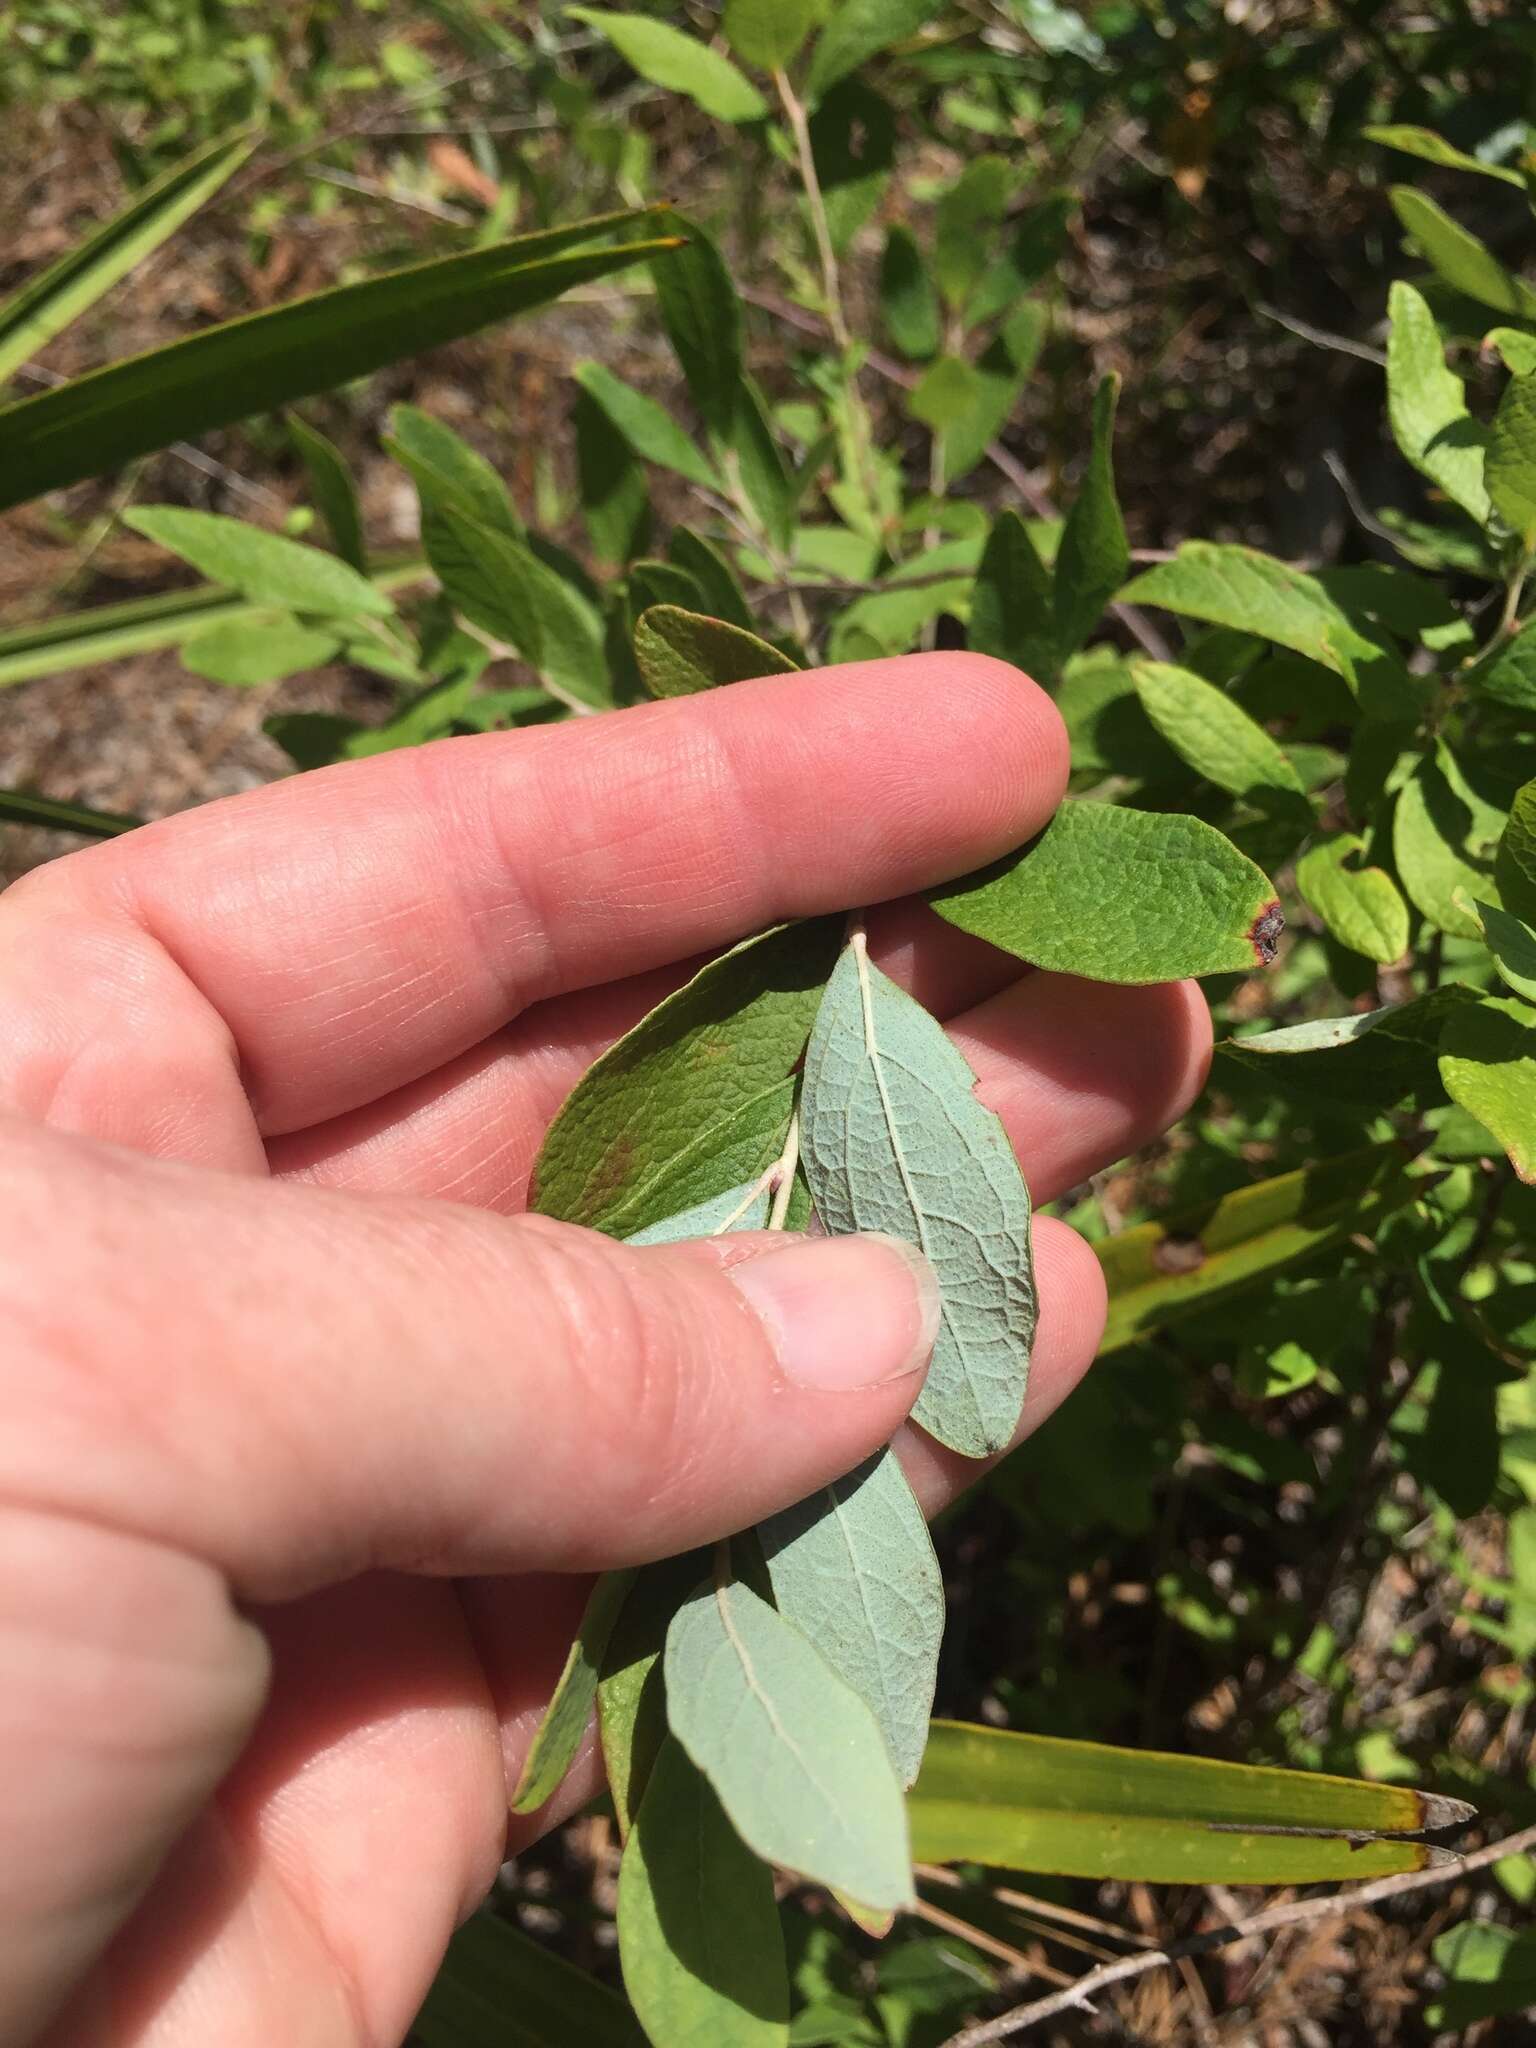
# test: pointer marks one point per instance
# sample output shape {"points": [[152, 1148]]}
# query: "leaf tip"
{"points": [[1264, 932], [1436, 1810]]}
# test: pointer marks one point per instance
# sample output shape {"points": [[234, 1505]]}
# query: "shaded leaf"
{"points": [[859, 30], [698, 1071], [648, 428], [713, 574], [1514, 863], [1121, 895], [1513, 945], [631, 1694], [559, 1733], [702, 315], [668, 58], [853, 1567], [1360, 906], [1512, 459], [1509, 675], [1434, 149], [335, 494], [492, 1969], [796, 1757], [909, 305], [1444, 836], [1093, 556], [679, 652], [1377, 1059], [894, 1139], [1012, 604], [769, 488], [18, 807], [614, 501], [699, 1933], [1488, 1065]]}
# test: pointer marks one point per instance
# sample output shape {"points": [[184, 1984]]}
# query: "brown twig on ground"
{"points": [[1266, 1922]]}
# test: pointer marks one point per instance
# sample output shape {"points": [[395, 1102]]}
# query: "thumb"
{"points": [[326, 1383]]}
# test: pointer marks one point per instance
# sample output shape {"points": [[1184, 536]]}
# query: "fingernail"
{"points": [[844, 1312]]}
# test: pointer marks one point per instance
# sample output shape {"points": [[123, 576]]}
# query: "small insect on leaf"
{"points": [[1265, 933]]}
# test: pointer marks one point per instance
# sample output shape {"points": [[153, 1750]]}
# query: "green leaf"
{"points": [[1427, 406], [964, 230], [263, 648], [565, 1719], [448, 472], [1121, 895], [1159, 1273], [795, 1756], [1512, 460], [333, 490], [1510, 673], [1083, 1809], [909, 305], [1444, 835], [1488, 1065], [500, 585], [668, 1094], [853, 1567], [668, 58], [859, 30], [1515, 346], [1360, 906], [946, 392], [710, 570], [1094, 556], [1465, 263], [702, 315], [17, 807], [679, 652], [699, 1932], [264, 567], [1215, 736], [1012, 605], [47, 303], [1434, 149], [769, 488], [1251, 592], [894, 1139], [1374, 1060], [1514, 863], [769, 32], [493, 1970], [648, 428], [1492, 1972], [1513, 945], [100, 421], [614, 501], [631, 1696]]}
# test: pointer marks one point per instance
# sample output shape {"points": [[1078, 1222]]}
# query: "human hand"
{"points": [[312, 1437]]}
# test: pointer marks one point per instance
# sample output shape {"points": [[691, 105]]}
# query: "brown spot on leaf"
{"points": [[1264, 932], [1178, 1255]]}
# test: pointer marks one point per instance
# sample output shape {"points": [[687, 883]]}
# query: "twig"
{"points": [[1321, 337], [1269, 1921], [831, 283], [372, 189]]}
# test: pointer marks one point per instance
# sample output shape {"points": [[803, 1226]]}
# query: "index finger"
{"points": [[352, 929]]}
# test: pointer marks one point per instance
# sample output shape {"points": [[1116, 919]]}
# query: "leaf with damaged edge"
{"points": [[1124, 896], [699, 1935], [796, 1757], [565, 1718], [680, 652], [1488, 1065], [893, 1138], [682, 1080], [853, 1567], [1361, 907]]}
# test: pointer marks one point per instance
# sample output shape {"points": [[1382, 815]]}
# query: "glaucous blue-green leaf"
{"points": [[893, 1138], [1427, 405], [1513, 945], [702, 315], [1509, 674], [1514, 865], [263, 647], [334, 491], [1434, 149], [647, 1119], [745, 1207], [1374, 1060], [1121, 895], [565, 1719], [699, 1934], [1240, 587], [447, 471], [680, 652], [265, 567], [648, 427], [1215, 736], [1094, 555], [859, 30], [909, 305], [1511, 469], [499, 584], [1445, 832], [1466, 264], [1488, 1065], [853, 1567], [1013, 608], [768, 32], [1361, 907], [796, 1757], [678, 63]]}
